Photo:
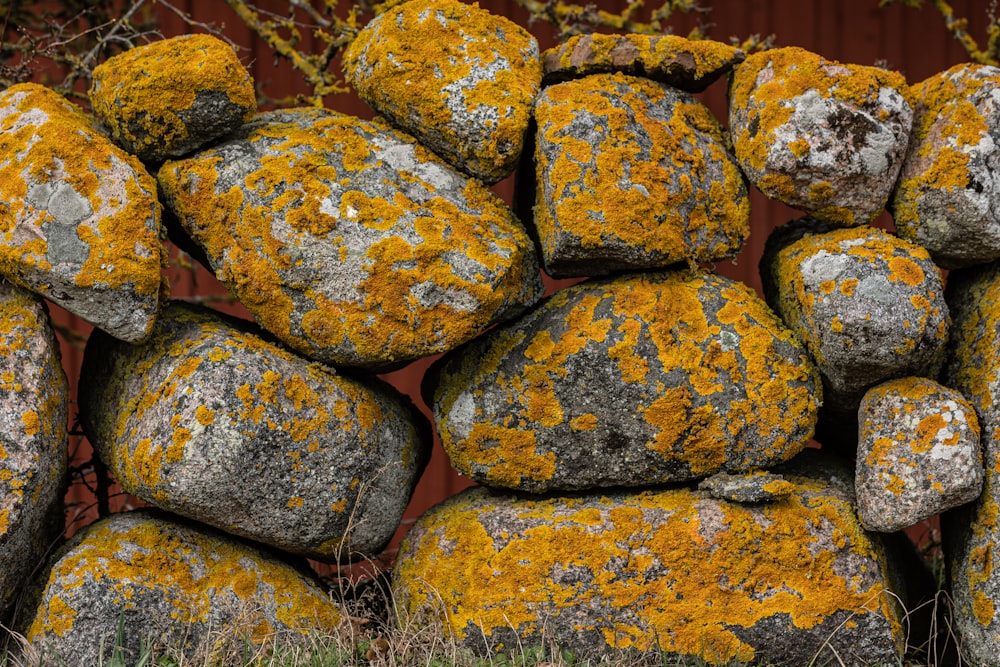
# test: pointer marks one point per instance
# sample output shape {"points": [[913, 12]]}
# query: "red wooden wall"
{"points": [[911, 41]]}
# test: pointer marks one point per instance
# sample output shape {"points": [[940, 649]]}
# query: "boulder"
{"points": [[172, 96], [948, 196], [689, 64], [458, 78], [633, 175], [350, 242], [918, 453], [80, 221], [33, 442], [820, 136], [211, 421], [670, 572], [638, 380], [141, 578], [867, 305]]}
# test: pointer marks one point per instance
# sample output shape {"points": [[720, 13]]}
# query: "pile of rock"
{"points": [[638, 437]]}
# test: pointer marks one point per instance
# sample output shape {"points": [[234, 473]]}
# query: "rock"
{"points": [[33, 444], [691, 65], [143, 577], [170, 97], [867, 306], [633, 175], [634, 381], [948, 196], [350, 242], [79, 219], [794, 582], [918, 453], [818, 135], [458, 78], [755, 487], [215, 423], [972, 531]]}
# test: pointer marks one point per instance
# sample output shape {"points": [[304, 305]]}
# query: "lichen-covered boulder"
{"points": [[455, 76], [689, 64], [823, 137], [948, 196], [634, 381], [350, 242], [170, 97], [80, 221], [632, 175], [214, 423], [972, 532], [141, 578], [669, 572], [918, 453], [33, 411], [867, 305]]}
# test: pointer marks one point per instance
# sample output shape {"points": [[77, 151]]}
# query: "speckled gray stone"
{"points": [[756, 487], [215, 423]]}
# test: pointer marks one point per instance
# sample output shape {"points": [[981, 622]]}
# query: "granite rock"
{"points": [[753, 487]]}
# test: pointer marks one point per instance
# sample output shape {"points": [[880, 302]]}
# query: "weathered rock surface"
{"points": [[972, 532], [791, 583], [948, 196], [867, 305], [214, 423], [754, 487], [33, 447], [823, 137], [691, 65], [170, 584], [632, 175], [350, 242], [627, 382], [918, 453], [453, 75], [172, 96], [80, 220]]}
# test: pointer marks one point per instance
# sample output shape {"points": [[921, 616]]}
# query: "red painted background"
{"points": [[914, 42]]}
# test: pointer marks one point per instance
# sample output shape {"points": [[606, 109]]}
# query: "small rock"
{"points": [[918, 453], [80, 217], [673, 573], [458, 78], [351, 243], [948, 196], [817, 135], [633, 175], [634, 381], [170, 97], [142, 577], [867, 305], [691, 65], [755, 487], [33, 444], [214, 423]]}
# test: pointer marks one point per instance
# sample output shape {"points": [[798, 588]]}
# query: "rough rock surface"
{"points": [[823, 137], [918, 453], [948, 196], [972, 532], [755, 487], [632, 175], [792, 583], [214, 423], [690, 65], [350, 242], [173, 585], [33, 411], [80, 220], [627, 382], [170, 97], [453, 75], [867, 305]]}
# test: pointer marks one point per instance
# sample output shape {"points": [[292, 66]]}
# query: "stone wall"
{"points": [[644, 441]]}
